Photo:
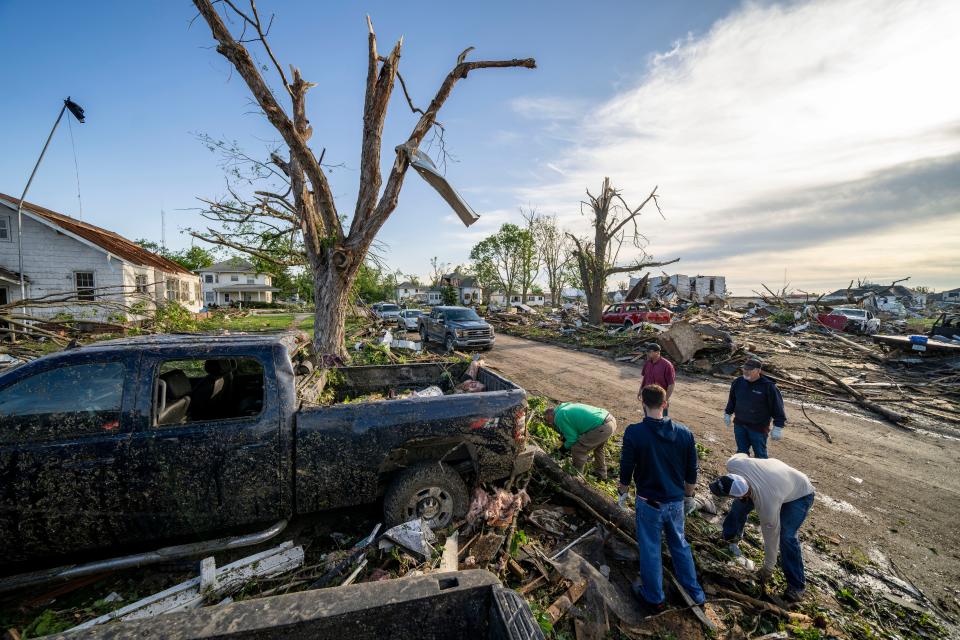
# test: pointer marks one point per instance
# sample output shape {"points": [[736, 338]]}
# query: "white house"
{"points": [[434, 297], [411, 292], [533, 299], [85, 264], [235, 280], [698, 288]]}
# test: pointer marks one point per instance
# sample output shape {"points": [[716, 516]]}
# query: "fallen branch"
{"points": [[826, 435], [892, 416], [763, 606]]}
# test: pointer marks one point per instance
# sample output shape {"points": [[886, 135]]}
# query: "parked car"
{"points": [[129, 443], [851, 320], [409, 319], [631, 313], [456, 328], [388, 312]]}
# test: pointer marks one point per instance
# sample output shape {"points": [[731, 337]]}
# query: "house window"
{"points": [[140, 282], [208, 278], [185, 292], [250, 280], [713, 285], [85, 285], [172, 290], [196, 291], [210, 297], [226, 297], [234, 278], [5, 228]]}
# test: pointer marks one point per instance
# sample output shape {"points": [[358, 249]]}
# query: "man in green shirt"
{"points": [[584, 429]]}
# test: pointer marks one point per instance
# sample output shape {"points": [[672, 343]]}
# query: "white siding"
{"points": [[51, 259]]}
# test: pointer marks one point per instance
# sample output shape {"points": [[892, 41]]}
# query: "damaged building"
{"points": [[698, 288]]}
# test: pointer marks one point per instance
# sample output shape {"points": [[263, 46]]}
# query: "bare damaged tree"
{"points": [[333, 254], [437, 271], [554, 247], [614, 222]]}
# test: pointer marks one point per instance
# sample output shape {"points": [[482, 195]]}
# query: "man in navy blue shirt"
{"points": [[661, 457], [754, 402]]}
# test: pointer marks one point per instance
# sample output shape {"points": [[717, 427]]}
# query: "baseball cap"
{"points": [[652, 346], [753, 362], [730, 485]]}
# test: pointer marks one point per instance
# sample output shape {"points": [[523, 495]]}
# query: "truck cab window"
{"points": [[63, 403], [202, 390]]}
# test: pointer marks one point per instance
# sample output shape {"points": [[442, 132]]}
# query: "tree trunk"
{"points": [[595, 305], [331, 295]]}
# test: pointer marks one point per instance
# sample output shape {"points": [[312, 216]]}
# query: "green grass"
{"points": [[920, 325], [272, 322]]}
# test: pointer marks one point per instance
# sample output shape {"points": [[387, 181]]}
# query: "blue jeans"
{"points": [[668, 519], [792, 515], [747, 438]]}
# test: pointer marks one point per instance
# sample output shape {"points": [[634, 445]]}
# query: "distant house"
{"points": [[698, 288], [468, 291], [434, 297], [408, 291], [883, 293], [63, 256], [532, 299], [235, 281], [951, 296]]}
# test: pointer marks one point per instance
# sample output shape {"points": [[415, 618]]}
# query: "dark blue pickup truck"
{"points": [[130, 443], [456, 328]]}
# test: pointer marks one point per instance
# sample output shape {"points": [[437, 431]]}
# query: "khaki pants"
{"points": [[594, 440]]}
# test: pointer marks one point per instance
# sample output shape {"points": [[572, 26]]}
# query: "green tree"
{"points": [[499, 259], [449, 295], [190, 259]]}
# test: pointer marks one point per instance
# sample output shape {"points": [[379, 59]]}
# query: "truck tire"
{"points": [[430, 490], [449, 343]]}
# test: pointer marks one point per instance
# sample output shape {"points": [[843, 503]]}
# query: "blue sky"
{"points": [[816, 139]]}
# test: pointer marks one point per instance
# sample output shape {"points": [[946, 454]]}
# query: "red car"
{"points": [[631, 313]]}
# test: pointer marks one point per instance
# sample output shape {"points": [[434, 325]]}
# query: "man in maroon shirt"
{"points": [[658, 370]]}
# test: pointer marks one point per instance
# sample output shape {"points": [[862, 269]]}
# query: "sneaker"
{"points": [[734, 549], [793, 596]]}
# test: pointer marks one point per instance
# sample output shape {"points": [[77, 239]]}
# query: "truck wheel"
{"points": [[449, 343], [431, 491]]}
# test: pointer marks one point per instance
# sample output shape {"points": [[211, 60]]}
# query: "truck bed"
{"points": [[349, 448]]}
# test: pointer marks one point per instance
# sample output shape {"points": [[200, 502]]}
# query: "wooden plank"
{"points": [[448, 561], [569, 598]]}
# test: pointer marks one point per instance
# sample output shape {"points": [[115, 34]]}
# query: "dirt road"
{"points": [[880, 490]]}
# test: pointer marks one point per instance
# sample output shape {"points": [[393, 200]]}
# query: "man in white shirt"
{"points": [[782, 497]]}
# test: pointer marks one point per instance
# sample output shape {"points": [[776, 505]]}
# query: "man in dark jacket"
{"points": [[661, 456], [754, 401]]}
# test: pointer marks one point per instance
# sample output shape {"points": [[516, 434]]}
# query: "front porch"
{"points": [[239, 293]]}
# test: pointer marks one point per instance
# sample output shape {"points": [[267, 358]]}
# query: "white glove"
{"points": [[689, 505], [727, 418], [777, 433]]}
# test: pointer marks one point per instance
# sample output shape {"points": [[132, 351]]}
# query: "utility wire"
{"points": [[76, 165]]}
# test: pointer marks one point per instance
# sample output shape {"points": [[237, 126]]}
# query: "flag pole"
{"points": [[77, 111]]}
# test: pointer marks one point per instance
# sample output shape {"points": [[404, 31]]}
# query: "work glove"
{"points": [[777, 433], [728, 419], [623, 492], [689, 505], [764, 574]]}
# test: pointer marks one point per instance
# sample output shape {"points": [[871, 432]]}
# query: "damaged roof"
{"points": [[109, 241], [232, 264]]}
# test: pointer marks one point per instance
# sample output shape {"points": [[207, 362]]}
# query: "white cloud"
{"points": [[548, 107], [773, 101]]}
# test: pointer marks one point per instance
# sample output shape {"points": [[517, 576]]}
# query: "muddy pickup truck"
{"points": [[127, 444]]}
